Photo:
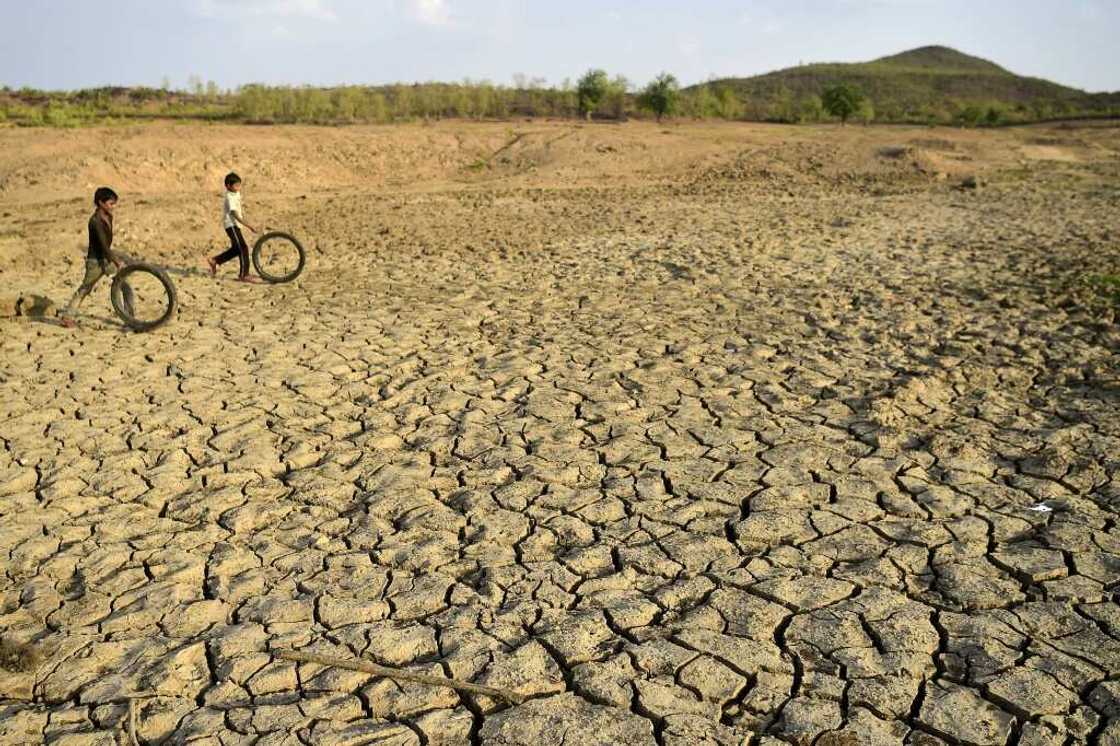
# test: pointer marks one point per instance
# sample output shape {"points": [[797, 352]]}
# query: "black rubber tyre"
{"points": [[122, 297], [263, 271]]}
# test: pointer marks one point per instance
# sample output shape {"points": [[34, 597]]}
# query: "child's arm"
{"points": [[103, 238], [238, 219]]}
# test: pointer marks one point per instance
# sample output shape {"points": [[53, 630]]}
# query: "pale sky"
{"points": [[66, 44]]}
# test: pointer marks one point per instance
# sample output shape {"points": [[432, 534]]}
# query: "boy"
{"points": [[100, 253], [231, 217]]}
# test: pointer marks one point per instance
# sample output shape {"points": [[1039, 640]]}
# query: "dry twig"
{"points": [[132, 721], [400, 674]]}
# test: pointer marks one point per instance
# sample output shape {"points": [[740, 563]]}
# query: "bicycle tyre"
{"points": [[120, 291], [264, 273]]}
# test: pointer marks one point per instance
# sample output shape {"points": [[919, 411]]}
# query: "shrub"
{"points": [[1107, 286], [60, 115]]}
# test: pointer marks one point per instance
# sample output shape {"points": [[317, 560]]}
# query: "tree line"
{"points": [[593, 95]]}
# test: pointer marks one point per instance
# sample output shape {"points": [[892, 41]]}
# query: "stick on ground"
{"points": [[132, 722], [400, 674]]}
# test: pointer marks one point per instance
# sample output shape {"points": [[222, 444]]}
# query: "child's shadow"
{"points": [[39, 309], [202, 272], [186, 272], [169, 269], [35, 307]]}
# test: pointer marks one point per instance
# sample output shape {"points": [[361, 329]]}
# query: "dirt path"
{"points": [[724, 447]]}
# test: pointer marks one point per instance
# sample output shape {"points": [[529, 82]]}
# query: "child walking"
{"points": [[232, 221], [99, 255]]}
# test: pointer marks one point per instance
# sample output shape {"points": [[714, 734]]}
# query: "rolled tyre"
{"points": [[143, 296], [128, 299], [278, 257]]}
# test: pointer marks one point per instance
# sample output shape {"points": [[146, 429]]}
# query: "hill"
{"points": [[927, 84]]}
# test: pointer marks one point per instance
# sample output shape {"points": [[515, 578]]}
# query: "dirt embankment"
{"points": [[170, 175], [40, 165]]}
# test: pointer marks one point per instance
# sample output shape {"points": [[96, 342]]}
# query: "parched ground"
{"points": [[692, 434]]}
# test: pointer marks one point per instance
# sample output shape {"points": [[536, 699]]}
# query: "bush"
{"points": [[1107, 286], [60, 115]]}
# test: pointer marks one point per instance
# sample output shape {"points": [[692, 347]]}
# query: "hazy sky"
{"points": [[61, 44]]}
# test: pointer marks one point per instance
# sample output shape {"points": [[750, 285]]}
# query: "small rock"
{"points": [[9, 305], [18, 657], [963, 715], [566, 718]]}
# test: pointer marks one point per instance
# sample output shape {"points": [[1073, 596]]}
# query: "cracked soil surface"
{"points": [[693, 434]]}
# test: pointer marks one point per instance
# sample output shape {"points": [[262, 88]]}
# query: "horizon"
{"points": [[328, 43]]}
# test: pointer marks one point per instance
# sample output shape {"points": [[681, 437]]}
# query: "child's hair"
{"points": [[231, 179], [104, 194]]}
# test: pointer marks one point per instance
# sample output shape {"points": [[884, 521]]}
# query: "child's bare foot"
{"points": [[213, 267], [247, 278]]}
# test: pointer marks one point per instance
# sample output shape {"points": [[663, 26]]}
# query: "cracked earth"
{"points": [[701, 435]]}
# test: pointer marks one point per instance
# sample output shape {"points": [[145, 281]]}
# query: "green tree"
{"points": [[616, 96], [1041, 110], [702, 103], [841, 101], [591, 89], [730, 107], [402, 101], [970, 116], [254, 102], [810, 109], [569, 97], [375, 107], [866, 112], [661, 96], [486, 100], [782, 107], [346, 103]]}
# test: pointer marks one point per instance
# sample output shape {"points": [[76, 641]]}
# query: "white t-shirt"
{"points": [[231, 204]]}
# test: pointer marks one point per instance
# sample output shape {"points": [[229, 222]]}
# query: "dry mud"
{"points": [[692, 434]]}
